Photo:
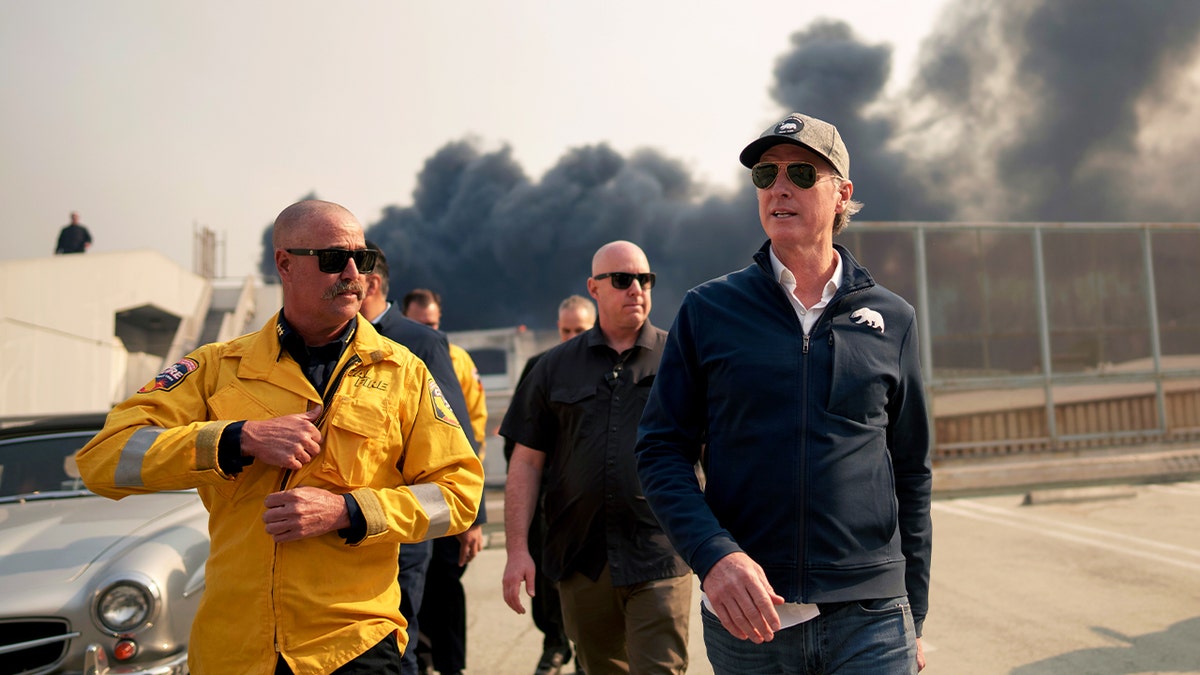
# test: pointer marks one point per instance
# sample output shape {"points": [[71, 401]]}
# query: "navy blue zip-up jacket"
{"points": [[815, 449]]}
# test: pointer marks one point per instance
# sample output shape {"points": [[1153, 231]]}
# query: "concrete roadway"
{"points": [[1104, 581]]}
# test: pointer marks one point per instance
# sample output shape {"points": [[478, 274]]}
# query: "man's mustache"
{"points": [[344, 287]]}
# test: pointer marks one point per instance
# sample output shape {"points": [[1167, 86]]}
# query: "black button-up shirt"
{"points": [[316, 362], [580, 405]]}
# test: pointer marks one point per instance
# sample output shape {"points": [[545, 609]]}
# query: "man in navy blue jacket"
{"points": [[430, 346], [796, 383]]}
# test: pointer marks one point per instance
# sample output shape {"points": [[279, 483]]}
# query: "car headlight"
{"points": [[126, 605]]}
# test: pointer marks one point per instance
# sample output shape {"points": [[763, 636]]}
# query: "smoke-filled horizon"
{"points": [[1027, 110]]}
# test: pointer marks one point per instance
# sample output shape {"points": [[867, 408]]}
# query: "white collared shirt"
{"points": [[375, 321], [808, 315]]}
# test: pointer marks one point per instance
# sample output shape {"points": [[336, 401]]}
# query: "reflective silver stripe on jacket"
{"points": [[129, 467], [429, 496]]}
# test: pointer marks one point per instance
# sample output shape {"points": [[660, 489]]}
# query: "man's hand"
{"points": [[304, 512], [520, 499], [920, 656], [290, 441], [742, 598], [519, 568], [470, 543]]}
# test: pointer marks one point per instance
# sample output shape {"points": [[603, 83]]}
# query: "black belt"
{"points": [[831, 607], [868, 603]]}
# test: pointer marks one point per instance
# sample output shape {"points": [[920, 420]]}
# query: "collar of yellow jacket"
{"points": [[260, 352]]}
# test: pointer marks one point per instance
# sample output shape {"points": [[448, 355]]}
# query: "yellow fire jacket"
{"points": [[472, 387], [388, 438]]}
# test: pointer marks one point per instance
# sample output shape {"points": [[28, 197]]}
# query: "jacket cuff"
{"points": [[372, 511], [229, 450], [358, 524], [208, 441], [710, 552]]}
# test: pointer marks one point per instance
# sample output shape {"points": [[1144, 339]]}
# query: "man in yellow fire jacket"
{"points": [[318, 448], [424, 306]]}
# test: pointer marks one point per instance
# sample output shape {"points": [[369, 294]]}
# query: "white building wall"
{"points": [[49, 370], [58, 349]]}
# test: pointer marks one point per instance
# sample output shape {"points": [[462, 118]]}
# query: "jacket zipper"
{"points": [[805, 343], [803, 493], [330, 389], [826, 317]]}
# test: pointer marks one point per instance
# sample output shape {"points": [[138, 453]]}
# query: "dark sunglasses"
{"points": [[333, 260], [623, 280], [802, 174]]}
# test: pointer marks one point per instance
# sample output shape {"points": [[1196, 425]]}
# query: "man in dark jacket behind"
{"points": [[430, 346], [797, 380]]}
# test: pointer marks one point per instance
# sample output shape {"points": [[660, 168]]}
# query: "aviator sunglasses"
{"points": [[802, 174], [623, 280], [333, 260]]}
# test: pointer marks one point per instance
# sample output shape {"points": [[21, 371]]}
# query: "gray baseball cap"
{"points": [[799, 129]]}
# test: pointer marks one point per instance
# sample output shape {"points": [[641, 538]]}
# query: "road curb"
{"points": [[1044, 473]]}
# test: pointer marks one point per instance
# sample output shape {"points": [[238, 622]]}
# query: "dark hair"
{"points": [[421, 296], [381, 268]]}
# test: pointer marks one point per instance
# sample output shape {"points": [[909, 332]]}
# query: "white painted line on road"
{"points": [[1066, 536], [1186, 489], [1103, 534]]}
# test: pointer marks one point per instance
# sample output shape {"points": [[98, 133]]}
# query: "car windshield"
{"points": [[41, 465]]}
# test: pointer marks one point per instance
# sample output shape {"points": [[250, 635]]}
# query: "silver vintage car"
{"points": [[89, 585]]}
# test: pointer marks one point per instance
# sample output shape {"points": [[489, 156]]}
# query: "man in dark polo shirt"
{"points": [[626, 595], [576, 316]]}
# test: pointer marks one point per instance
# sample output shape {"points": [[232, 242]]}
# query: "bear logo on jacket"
{"points": [[869, 317]]}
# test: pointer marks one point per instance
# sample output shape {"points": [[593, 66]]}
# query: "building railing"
{"points": [[1049, 337]]}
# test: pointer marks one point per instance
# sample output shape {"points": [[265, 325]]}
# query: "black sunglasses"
{"points": [[802, 174], [333, 260], [623, 280]]}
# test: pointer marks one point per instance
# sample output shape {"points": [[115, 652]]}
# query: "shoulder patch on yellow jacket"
{"points": [[171, 376], [441, 407]]}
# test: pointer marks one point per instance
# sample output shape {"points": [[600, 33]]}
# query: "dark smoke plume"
{"points": [[1020, 110], [829, 74], [503, 250], [1062, 110]]}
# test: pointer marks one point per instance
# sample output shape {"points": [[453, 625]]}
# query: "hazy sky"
{"points": [[152, 117]]}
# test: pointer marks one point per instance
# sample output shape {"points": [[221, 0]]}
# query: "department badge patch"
{"points": [[441, 407], [171, 376]]}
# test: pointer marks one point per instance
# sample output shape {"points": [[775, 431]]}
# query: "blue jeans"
{"points": [[871, 637]]}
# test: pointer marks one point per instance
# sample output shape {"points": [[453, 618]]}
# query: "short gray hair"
{"points": [[841, 220], [577, 302]]}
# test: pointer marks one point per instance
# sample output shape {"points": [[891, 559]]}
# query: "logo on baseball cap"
{"points": [[809, 132]]}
